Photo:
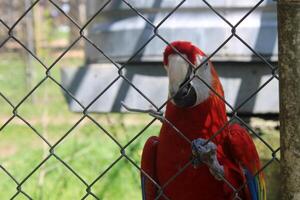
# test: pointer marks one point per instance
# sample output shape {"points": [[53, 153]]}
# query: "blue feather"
{"points": [[143, 187], [252, 185]]}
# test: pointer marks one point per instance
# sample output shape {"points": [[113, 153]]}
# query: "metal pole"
{"points": [[289, 86]]}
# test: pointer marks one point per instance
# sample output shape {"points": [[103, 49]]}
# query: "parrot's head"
{"points": [[180, 71]]}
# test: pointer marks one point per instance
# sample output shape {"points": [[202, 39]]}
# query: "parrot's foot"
{"points": [[206, 152]]}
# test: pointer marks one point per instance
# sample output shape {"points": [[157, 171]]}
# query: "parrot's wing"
{"points": [[241, 148], [149, 190]]}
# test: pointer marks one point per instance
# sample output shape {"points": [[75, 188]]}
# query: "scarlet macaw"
{"points": [[229, 160]]}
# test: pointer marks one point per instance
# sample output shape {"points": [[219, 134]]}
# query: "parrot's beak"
{"points": [[180, 89], [186, 96]]}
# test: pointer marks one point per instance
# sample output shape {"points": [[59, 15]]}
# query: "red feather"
{"points": [[239, 146], [183, 47], [149, 167]]}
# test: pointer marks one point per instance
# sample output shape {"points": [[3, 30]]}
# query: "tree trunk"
{"points": [[289, 85]]}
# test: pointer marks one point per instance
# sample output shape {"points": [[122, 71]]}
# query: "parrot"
{"points": [[223, 166]]}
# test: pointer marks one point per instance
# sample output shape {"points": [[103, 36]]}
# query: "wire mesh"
{"points": [[156, 113]]}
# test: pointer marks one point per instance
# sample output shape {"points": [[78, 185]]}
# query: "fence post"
{"points": [[29, 68], [289, 86]]}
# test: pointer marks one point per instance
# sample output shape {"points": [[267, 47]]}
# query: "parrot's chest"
{"points": [[182, 181]]}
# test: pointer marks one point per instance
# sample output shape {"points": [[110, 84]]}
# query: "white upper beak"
{"points": [[177, 70]]}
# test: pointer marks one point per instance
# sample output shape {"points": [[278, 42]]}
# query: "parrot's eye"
{"points": [[205, 65]]}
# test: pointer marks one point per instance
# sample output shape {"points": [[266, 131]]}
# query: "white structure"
{"points": [[120, 32]]}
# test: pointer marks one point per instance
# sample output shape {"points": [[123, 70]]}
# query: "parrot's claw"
{"points": [[205, 151], [156, 114], [196, 162]]}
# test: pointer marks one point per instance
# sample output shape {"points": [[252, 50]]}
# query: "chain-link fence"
{"points": [[156, 113]]}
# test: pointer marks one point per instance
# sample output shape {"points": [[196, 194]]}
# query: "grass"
{"points": [[88, 150]]}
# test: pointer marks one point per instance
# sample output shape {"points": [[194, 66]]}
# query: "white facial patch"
{"points": [[204, 72], [177, 70]]}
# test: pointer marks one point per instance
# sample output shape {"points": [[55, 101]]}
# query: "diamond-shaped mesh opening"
{"points": [[78, 79], [139, 77], [137, 137], [88, 150], [126, 127], [135, 95], [267, 87], [73, 9], [58, 180], [16, 156], [55, 31], [201, 27], [259, 23], [71, 56], [46, 107], [133, 24], [252, 86], [124, 178], [256, 51], [273, 140], [124, 91]]}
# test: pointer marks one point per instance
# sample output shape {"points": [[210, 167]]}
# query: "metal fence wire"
{"points": [[156, 113]]}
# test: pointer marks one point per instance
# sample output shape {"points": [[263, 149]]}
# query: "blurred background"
{"points": [[56, 60]]}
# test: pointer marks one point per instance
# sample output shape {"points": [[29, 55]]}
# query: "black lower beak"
{"points": [[186, 96]]}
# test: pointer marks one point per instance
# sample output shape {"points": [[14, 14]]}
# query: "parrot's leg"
{"points": [[206, 152]]}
